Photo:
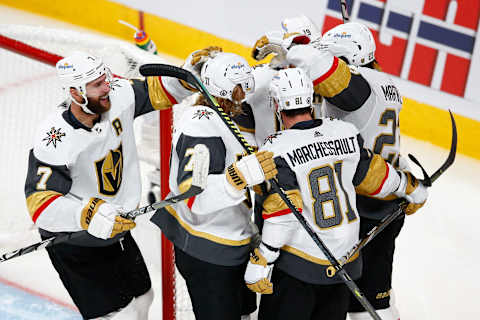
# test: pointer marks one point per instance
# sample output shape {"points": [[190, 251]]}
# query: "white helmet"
{"points": [[303, 25], [76, 70], [351, 40], [290, 89], [224, 71]]}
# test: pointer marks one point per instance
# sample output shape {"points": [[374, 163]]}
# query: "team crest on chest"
{"points": [[54, 136], [109, 171], [202, 113], [271, 137]]}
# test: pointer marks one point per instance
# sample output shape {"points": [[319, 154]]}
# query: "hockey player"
{"points": [[297, 30], [82, 173], [150, 139], [321, 164], [344, 71], [212, 232]]}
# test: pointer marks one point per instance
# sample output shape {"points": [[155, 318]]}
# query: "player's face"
{"points": [[97, 94]]}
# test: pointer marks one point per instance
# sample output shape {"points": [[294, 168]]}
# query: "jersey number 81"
{"points": [[330, 196]]}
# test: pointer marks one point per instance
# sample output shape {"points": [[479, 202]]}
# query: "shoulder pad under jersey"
{"points": [[382, 84], [201, 121], [121, 95], [340, 125], [56, 142], [373, 76], [274, 141]]}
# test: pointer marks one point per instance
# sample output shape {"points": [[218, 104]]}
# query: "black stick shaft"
{"points": [[192, 191], [389, 219], [345, 15], [157, 70]]}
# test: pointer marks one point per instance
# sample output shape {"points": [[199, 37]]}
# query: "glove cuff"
{"points": [[87, 212], [251, 170], [400, 192], [269, 252], [233, 191]]}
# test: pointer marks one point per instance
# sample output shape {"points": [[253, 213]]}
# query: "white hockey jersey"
{"points": [[363, 96], [378, 118], [71, 164], [214, 226], [321, 165], [378, 121]]}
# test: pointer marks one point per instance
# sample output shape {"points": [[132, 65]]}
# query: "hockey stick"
{"points": [[343, 6], [179, 73], [201, 161], [427, 181]]}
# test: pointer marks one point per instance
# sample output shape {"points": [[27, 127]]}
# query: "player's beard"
{"points": [[98, 105]]}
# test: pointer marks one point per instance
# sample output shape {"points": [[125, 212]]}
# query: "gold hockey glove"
{"points": [[259, 268], [251, 170], [102, 220], [412, 190]]}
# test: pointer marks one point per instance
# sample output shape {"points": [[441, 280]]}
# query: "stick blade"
{"points": [[166, 70], [201, 163], [453, 151]]}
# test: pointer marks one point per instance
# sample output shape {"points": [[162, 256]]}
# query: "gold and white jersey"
{"points": [[213, 226], [71, 163], [378, 118], [322, 166], [316, 162]]}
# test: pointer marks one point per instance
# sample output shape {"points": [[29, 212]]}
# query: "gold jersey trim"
{"points": [[158, 96], [374, 178], [333, 81], [306, 256], [205, 235], [274, 202], [36, 200], [89, 211]]}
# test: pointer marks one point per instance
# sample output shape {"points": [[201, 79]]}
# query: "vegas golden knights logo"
{"points": [[109, 172]]}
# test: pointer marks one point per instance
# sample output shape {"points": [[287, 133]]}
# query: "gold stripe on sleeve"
{"points": [[158, 96], [36, 200], [274, 203], [334, 81], [374, 177]]}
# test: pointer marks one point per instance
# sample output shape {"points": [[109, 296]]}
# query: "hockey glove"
{"points": [[278, 44], [102, 220], [196, 59], [412, 190], [259, 268], [251, 170]]}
